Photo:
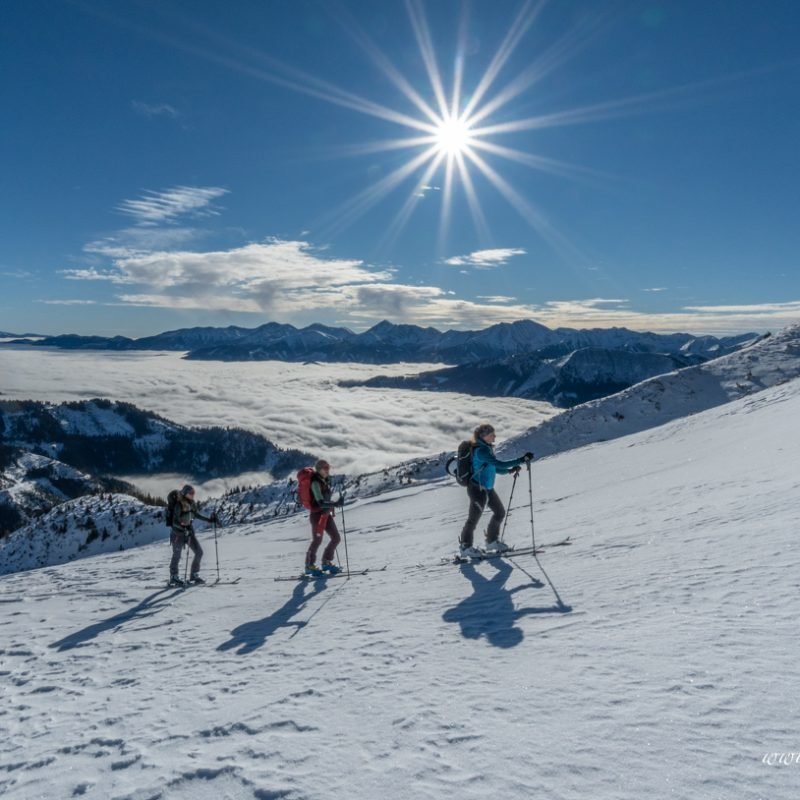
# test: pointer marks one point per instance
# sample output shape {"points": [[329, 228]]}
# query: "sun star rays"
{"points": [[456, 126], [448, 128]]}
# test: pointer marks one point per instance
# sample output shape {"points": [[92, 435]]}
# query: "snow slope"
{"points": [[655, 657]]}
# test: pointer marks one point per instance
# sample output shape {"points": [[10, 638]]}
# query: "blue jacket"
{"points": [[485, 465]]}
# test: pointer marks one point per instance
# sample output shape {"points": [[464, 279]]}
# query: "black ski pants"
{"points": [[178, 540], [479, 498]]}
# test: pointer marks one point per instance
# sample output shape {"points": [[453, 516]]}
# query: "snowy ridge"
{"points": [[31, 484], [769, 362], [555, 375], [86, 526], [109, 437], [640, 662]]}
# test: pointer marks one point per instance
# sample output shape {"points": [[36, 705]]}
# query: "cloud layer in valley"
{"points": [[294, 405]]}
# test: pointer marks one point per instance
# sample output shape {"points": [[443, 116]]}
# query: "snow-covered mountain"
{"points": [[108, 437], [556, 375], [85, 526], [32, 484], [51, 453], [771, 361], [641, 661], [389, 343], [386, 343]]}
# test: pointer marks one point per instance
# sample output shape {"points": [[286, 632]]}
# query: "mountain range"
{"points": [[387, 343]]}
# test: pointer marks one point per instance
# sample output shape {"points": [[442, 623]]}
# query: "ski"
{"points": [[351, 574], [197, 585], [457, 558]]}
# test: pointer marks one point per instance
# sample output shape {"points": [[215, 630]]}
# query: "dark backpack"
{"points": [[304, 477], [172, 501], [462, 461]]}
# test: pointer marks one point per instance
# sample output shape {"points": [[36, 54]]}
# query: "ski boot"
{"points": [[468, 551], [330, 568], [313, 571], [496, 547], [196, 579], [176, 580]]}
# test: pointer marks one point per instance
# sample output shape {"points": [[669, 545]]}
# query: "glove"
{"points": [[516, 470], [339, 503], [528, 457], [214, 517]]}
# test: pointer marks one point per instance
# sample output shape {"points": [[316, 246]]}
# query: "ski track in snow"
{"points": [[665, 669]]}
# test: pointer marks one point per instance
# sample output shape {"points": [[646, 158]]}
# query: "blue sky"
{"points": [[179, 163]]}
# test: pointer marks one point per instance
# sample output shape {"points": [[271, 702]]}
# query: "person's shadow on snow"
{"points": [[152, 604], [489, 611], [252, 635]]}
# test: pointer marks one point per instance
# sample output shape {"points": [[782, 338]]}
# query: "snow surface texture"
{"points": [[770, 362], [653, 658], [293, 405]]}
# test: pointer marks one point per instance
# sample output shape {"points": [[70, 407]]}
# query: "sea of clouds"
{"points": [[293, 405]]}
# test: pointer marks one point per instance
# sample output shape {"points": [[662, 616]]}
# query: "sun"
{"points": [[454, 125], [452, 137]]}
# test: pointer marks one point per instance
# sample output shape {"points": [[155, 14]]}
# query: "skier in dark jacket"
{"points": [[485, 467], [182, 534], [321, 518]]}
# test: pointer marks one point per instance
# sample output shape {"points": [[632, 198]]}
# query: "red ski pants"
{"points": [[322, 522]]}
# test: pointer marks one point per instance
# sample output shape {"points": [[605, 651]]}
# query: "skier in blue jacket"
{"points": [[485, 467]]}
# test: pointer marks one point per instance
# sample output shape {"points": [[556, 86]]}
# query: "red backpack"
{"points": [[304, 495]]}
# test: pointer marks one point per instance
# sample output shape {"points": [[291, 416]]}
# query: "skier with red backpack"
{"points": [[314, 492]]}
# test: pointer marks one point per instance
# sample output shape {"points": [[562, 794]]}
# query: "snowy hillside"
{"points": [[103, 436], [555, 375], [653, 658], [80, 528], [770, 362], [32, 484]]}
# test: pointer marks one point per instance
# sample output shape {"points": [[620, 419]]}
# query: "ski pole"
{"points": [[530, 494], [510, 498], [216, 546], [344, 537]]}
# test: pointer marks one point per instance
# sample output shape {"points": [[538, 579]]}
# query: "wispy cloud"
{"points": [[155, 109], [140, 240], [486, 259], [18, 274], [656, 289], [792, 307], [69, 302], [158, 208], [290, 278]]}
